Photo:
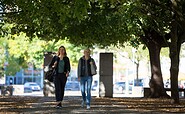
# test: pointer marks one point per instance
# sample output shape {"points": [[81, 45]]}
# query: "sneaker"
{"points": [[82, 104], [59, 105], [88, 107]]}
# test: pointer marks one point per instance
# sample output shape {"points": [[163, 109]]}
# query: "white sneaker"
{"points": [[88, 107], [82, 104]]}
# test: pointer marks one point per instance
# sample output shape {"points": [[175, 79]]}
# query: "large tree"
{"points": [[174, 21], [88, 22], [168, 19], [150, 30], [107, 22], [177, 38]]}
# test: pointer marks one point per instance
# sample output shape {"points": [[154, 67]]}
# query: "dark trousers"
{"points": [[60, 82]]}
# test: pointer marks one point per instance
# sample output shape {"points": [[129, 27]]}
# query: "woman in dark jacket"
{"points": [[62, 67], [85, 76]]}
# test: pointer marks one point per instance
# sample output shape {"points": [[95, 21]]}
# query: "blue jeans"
{"points": [[85, 83]]}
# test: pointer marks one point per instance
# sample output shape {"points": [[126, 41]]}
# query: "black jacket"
{"points": [[82, 67], [67, 67]]}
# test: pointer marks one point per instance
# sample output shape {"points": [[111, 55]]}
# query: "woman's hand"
{"points": [[67, 74], [79, 79], [55, 64]]}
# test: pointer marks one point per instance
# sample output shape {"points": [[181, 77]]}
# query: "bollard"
{"points": [[6, 90]]}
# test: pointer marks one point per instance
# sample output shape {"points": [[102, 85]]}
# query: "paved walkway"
{"points": [[72, 104]]}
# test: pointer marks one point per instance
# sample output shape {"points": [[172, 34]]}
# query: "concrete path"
{"points": [[72, 105]]}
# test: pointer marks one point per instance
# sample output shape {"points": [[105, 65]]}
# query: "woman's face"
{"points": [[62, 51], [87, 53]]}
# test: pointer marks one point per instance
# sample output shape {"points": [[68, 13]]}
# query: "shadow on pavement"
{"points": [[72, 104]]}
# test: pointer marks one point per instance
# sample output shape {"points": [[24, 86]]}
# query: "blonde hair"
{"points": [[87, 49]]}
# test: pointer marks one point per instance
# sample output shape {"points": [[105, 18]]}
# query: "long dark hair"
{"points": [[65, 54]]}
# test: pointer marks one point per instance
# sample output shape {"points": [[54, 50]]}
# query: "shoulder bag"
{"points": [[93, 68]]}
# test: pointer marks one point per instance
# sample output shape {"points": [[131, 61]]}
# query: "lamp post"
{"points": [[6, 54]]}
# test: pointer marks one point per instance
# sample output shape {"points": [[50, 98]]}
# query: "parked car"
{"points": [[95, 86], [72, 86], [34, 86], [138, 82], [119, 87]]}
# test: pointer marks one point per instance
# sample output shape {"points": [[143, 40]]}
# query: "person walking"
{"points": [[61, 64], [85, 76]]}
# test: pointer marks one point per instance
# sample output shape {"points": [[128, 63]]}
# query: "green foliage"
{"points": [[182, 52], [18, 50], [165, 52], [155, 15], [102, 22], [12, 67], [82, 22]]}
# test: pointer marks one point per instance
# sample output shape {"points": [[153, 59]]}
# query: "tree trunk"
{"points": [[175, 46], [156, 82], [154, 43]]}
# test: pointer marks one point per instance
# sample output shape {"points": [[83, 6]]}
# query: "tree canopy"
{"points": [[83, 22]]}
